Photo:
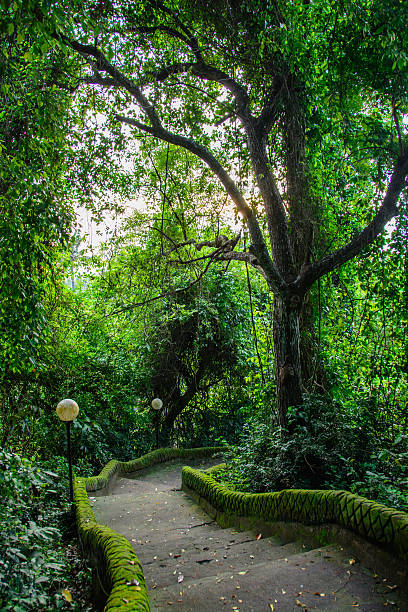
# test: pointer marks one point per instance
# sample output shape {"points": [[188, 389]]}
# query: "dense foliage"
{"points": [[33, 220], [36, 573]]}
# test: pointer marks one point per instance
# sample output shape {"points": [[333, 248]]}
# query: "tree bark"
{"points": [[174, 411], [286, 340]]}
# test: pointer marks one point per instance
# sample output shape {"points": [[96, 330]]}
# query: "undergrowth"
{"points": [[39, 566], [324, 450]]}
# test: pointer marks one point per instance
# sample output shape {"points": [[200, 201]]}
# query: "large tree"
{"points": [[297, 109]]}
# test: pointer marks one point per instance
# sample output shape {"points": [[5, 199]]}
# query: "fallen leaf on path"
{"points": [[242, 573], [300, 604], [66, 595], [259, 536], [352, 561]]}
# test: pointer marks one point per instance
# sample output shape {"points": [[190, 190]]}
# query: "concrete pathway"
{"points": [[193, 565]]}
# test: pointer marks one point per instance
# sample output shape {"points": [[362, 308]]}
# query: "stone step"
{"points": [[224, 544], [163, 476], [321, 579], [200, 561], [160, 519], [151, 502], [192, 564]]}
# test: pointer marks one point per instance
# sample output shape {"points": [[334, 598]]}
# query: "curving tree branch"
{"points": [[387, 211]]}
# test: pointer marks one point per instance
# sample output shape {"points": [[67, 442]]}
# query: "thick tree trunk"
{"points": [[174, 410], [287, 355]]}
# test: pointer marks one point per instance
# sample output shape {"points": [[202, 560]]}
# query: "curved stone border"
{"points": [[119, 570], [372, 521]]}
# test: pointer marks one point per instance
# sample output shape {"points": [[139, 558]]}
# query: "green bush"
{"points": [[324, 449], [33, 566]]}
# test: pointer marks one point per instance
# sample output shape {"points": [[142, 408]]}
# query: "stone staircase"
{"points": [[193, 565]]}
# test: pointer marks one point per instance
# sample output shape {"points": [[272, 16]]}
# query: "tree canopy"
{"points": [[264, 94]]}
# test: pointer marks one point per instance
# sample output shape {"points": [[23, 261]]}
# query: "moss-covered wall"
{"points": [[373, 521], [120, 468], [118, 569]]}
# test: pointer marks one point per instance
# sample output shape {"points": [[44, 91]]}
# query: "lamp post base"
{"points": [[71, 486]]}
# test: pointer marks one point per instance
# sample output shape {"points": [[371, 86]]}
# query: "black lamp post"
{"points": [[67, 411], [157, 405]]}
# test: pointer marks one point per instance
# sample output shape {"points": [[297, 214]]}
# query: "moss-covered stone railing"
{"points": [[374, 522], [118, 569]]}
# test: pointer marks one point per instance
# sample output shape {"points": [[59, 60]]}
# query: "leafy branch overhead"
{"points": [[280, 269]]}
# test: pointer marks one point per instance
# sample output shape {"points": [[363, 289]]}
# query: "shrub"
{"points": [[33, 567], [325, 449]]}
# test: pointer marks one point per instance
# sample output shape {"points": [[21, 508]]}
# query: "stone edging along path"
{"points": [[120, 571], [374, 522], [118, 568]]}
